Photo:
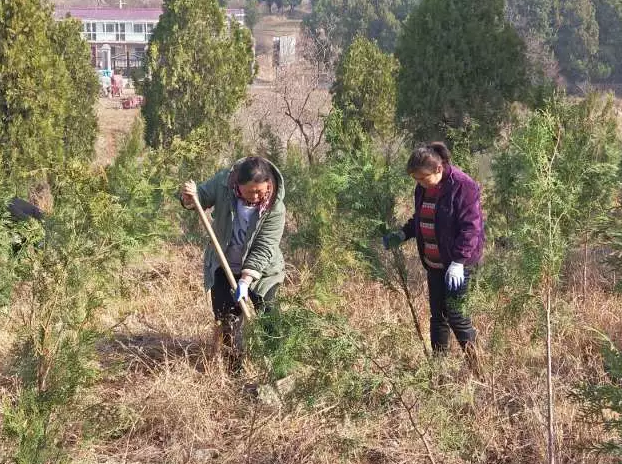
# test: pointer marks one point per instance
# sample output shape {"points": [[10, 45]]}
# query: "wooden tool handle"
{"points": [[221, 255]]}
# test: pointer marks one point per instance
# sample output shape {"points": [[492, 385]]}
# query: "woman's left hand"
{"points": [[454, 278], [241, 292]]}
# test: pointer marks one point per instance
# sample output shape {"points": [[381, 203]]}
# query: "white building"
{"points": [[118, 36]]}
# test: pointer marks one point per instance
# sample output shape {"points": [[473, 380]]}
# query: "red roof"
{"points": [[110, 14]]}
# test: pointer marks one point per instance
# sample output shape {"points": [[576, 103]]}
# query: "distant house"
{"points": [[119, 36]]}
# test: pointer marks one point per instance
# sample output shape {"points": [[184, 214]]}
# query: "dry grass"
{"points": [[172, 402], [163, 398]]}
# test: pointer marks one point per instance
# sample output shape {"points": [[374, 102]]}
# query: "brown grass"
{"points": [[164, 398], [184, 407]]}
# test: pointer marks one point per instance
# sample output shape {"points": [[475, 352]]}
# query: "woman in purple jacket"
{"points": [[448, 226]]}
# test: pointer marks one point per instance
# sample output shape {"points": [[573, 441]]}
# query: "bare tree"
{"points": [[306, 105], [303, 87]]}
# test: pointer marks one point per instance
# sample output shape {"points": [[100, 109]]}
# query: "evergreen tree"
{"points": [[601, 402], [576, 41], [340, 21], [586, 168], [47, 92], [198, 69], [292, 4], [459, 61], [609, 18], [33, 93], [558, 172], [80, 126], [585, 35], [364, 89], [532, 17], [251, 13]]}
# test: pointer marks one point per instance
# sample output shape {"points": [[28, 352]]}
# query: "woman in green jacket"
{"points": [[248, 220]]}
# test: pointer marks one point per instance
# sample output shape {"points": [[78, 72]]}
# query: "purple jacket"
{"points": [[458, 222]]}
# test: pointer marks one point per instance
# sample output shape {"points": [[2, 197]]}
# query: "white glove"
{"points": [[454, 278], [242, 290]]}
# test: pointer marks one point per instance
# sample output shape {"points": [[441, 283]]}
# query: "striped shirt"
{"points": [[431, 255]]}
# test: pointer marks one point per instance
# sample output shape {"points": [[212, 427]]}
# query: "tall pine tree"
{"points": [[80, 126], [364, 88], [199, 67]]}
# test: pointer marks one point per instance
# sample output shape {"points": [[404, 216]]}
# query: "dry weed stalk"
{"points": [[399, 264]]}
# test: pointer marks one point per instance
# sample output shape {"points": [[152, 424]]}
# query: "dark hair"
{"points": [[428, 157], [255, 169]]}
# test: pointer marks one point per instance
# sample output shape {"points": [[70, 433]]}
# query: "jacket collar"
{"points": [[448, 179]]}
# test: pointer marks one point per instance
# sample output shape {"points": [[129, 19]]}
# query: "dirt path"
{"points": [[114, 124]]}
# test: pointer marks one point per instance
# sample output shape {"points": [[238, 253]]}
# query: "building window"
{"points": [[109, 28], [120, 32], [139, 28], [90, 31], [150, 27]]}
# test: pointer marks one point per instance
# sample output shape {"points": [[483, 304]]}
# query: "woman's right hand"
{"points": [[188, 192]]}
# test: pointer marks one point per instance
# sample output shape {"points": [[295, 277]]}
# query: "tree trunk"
{"points": [[585, 259], [549, 378], [549, 355]]}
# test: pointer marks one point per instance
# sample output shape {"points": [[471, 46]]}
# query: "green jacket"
{"points": [[262, 257]]}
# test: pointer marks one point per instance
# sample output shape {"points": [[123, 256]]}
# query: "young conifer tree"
{"points": [[546, 179]]}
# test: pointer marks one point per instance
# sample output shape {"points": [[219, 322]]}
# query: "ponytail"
{"points": [[441, 150]]}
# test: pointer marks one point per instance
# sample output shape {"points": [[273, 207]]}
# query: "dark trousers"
{"points": [[446, 312], [229, 314]]}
